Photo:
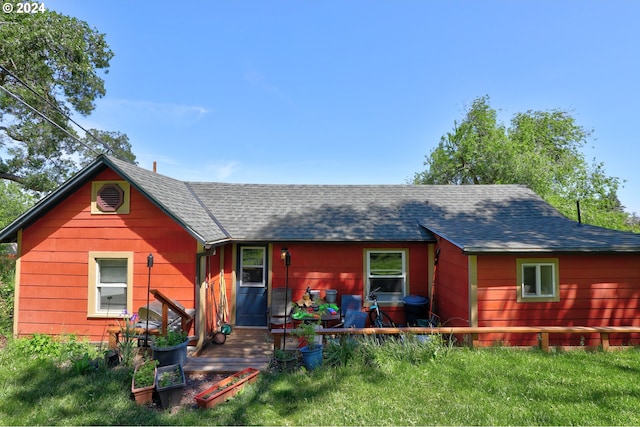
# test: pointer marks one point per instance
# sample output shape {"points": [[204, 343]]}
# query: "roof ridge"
{"points": [[207, 210]]}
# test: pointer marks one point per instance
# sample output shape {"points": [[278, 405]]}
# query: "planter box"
{"points": [[143, 395], [170, 394], [176, 355], [227, 388]]}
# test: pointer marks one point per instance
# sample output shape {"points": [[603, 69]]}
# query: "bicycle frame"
{"points": [[376, 316]]}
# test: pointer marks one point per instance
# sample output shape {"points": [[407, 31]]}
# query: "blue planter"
{"points": [[176, 355], [311, 358]]}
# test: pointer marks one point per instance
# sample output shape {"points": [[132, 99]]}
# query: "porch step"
{"points": [[224, 365]]}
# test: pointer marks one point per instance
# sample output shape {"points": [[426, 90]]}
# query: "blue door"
{"points": [[251, 286]]}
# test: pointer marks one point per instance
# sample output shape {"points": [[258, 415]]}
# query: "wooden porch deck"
{"points": [[244, 348]]}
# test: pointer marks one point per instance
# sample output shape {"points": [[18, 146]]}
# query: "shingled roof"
{"points": [[478, 218]]}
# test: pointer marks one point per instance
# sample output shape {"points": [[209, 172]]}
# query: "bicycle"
{"points": [[377, 317]]}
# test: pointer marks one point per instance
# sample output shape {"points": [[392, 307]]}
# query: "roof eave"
{"points": [[10, 232], [470, 250], [201, 239]]}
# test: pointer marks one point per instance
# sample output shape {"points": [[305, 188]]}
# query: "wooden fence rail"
{"points": [[474, 332]]}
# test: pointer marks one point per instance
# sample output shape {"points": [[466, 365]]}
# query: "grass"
{"points": [[408, 383]]}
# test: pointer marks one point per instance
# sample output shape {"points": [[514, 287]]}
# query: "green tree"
{"points": [[53, 64], [540, 149]]}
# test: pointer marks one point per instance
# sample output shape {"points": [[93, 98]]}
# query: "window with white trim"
{"points": [[387, 270], [252, 266], [538, 279], [110, 283]]}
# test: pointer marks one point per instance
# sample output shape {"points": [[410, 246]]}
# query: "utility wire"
{"points": [[51, 104], [17, 98]]}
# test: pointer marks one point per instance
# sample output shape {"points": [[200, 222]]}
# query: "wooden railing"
{"points": [[474, 332], [167, 303]]}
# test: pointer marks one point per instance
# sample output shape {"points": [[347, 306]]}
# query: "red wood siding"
{"points": [[54, 262], [340, 266], [595, 290], [451, 301]]}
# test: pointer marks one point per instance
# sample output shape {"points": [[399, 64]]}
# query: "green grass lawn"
{"points": [[396, 384]]}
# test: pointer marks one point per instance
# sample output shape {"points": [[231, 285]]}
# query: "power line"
{"points": [[51, 104], [17, 98]]}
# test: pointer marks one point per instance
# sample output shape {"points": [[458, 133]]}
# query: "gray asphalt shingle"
{"points": [[477, 218]]}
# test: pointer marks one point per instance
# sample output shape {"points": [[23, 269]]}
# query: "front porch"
{"points": [[243, 348]]}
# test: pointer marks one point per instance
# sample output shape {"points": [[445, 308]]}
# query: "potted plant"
{"points": [[286, 360], [226, 389], [170, 381], [171, 348], [312, 349], [143, 381]]}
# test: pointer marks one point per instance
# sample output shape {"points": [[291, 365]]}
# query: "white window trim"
{"points": [[92, 300], [385, 297], [521, 263], [263, 266]]}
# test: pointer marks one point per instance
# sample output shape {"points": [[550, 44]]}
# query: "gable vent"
{"points": [[109, 197]]}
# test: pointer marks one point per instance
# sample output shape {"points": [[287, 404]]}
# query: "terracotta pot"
{"points": [[142, 395], [221, 391]]}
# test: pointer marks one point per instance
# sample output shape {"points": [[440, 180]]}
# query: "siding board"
{"points": [[54, 261], [595, 290]]}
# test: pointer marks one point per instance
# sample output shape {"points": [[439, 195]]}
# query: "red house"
{"points": [[492, 255]]}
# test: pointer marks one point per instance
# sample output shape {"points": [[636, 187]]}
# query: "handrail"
{"points": [[474, 331], [187, 319]]}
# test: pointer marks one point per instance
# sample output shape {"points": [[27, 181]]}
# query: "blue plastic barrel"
{"points": [[415, 307]]}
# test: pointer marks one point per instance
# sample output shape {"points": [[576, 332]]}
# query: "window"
{"points": [[252, 266], [538, 279], [110, 283], [110, 197], [387, 270]]}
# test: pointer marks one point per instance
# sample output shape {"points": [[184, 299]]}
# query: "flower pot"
{"points": [[311, 357], [175, 355], [170, 393], [288, 363], [221, 391], [142, 395], [111, 358]]}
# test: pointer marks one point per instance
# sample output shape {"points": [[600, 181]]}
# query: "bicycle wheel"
{"points": [[381, 321]]}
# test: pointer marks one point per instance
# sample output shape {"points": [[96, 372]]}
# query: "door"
{"points": [[251, 286]]}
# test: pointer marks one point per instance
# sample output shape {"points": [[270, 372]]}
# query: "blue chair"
{"points": [[354, 319], [351, 313]]}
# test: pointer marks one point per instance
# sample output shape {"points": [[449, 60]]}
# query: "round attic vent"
{"points": [[109, 198]]}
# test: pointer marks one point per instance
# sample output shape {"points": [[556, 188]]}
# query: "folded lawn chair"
{"points": [[281, 306]]}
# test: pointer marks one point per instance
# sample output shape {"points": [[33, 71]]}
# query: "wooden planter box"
{"points": [[221, 391]]}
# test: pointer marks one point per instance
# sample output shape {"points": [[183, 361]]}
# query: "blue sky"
{"points": [[356, 92]]}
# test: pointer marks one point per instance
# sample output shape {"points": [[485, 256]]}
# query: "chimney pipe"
{"points": [[578, 207]]}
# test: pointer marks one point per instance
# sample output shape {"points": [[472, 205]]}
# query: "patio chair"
{"points": [[281, 307], [351, 313]]}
